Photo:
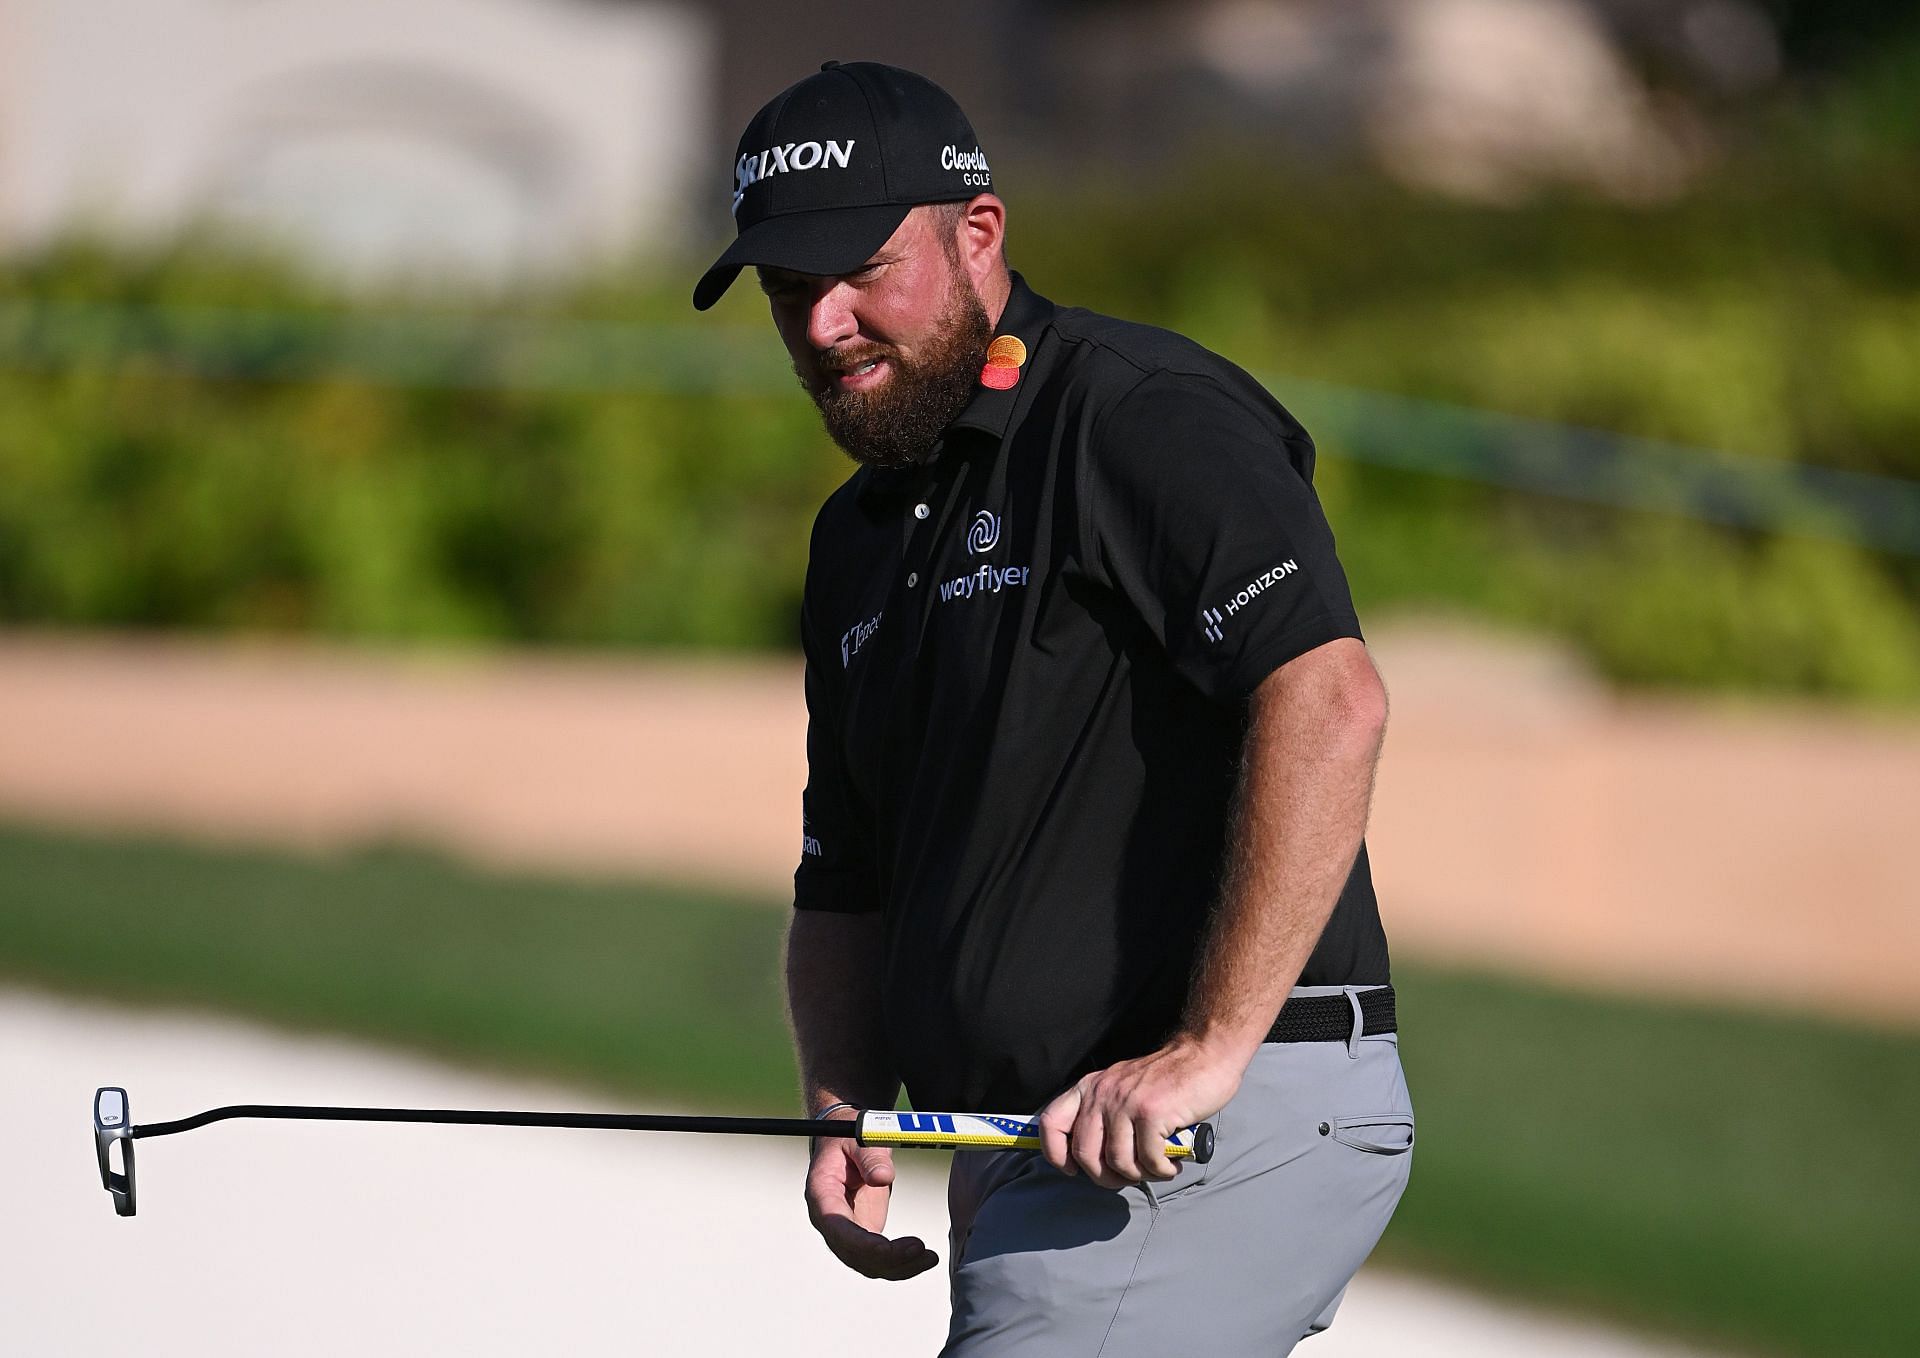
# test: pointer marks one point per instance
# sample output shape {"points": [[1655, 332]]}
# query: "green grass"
{"points": [[1743, 1177], [638, 988], [1737, 1177]]}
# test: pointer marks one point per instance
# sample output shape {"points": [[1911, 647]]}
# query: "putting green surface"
{"points": [[1742, 1178]]}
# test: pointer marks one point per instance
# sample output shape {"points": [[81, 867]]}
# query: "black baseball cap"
{"points": [[828, 170]]}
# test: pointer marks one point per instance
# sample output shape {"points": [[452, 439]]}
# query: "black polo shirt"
{"points": [[1027, 664]]}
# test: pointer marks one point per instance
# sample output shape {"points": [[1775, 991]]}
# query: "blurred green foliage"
{"points": [[322, 498], [484, 492], [1772, 314]]}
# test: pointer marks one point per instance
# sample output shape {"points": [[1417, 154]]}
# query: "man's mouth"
{"points": [[859, 378]]}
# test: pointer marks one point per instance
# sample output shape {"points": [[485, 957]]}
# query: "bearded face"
{"points": [[885, 405]]}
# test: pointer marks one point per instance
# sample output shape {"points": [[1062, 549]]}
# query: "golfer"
{"points": [[1092, 735]]}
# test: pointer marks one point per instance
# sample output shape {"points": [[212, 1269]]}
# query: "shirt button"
{"points": [[921, 511], [913, 578]]}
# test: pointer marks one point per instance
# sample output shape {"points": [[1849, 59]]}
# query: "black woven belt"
{"points": [[1329, 1018]]}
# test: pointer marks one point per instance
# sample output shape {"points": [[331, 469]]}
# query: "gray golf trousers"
{"points": [[1242, 1257]]}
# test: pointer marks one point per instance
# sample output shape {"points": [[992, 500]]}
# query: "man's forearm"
{"points": [[833, 1003], [1300, 811]]}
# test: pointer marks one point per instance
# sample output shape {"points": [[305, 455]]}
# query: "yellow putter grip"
{"points": [[991, 1132]]}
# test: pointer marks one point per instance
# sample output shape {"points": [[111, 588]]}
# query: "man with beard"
{"points": [[1091, 742]]}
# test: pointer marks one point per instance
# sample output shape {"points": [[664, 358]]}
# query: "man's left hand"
{"points": [[1113, 1124]]}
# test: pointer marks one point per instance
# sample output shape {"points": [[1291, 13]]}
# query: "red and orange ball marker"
{"points": [[1004, 357]]}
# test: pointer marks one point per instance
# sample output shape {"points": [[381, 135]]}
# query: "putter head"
{"points": [[113, 1121]]}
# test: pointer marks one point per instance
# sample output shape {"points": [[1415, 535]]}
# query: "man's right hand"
{"points": [[848, 1186]]}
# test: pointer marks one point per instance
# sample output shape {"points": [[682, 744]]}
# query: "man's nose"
{"points": [[829, 317]]}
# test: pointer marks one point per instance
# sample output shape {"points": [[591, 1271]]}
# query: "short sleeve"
{"points": [[1204, 519], [836, 871]]}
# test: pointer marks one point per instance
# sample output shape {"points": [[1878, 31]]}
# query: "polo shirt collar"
{"points": [[1025, 318]]}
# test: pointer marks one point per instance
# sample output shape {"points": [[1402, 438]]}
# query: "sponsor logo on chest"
{"points": [[987, 579], [983, 535], [857, 636]]}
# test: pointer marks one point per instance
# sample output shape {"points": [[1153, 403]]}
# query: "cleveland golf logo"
{"points": [[974, 171], [795, 155]]}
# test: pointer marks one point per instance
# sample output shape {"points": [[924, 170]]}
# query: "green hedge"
{"points": [[592, 465], [1775, 315], [143, 491]]}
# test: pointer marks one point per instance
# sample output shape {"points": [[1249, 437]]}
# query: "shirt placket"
{"points": [[924, 527]]}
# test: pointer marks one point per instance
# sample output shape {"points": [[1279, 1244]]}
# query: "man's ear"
{"points": [[982, 237]]}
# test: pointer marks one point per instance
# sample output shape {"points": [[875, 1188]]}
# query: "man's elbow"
{"points": [[1365, 701], [1357, 711], [1335, 689]]}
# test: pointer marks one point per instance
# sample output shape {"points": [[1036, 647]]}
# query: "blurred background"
{"points": [[398, 646]]}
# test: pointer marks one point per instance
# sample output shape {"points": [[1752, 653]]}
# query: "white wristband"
{"points": [[834, 1108]]}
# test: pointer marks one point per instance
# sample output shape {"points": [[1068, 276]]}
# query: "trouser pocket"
{"points": [[1375, 1133], [1191, 1174]]}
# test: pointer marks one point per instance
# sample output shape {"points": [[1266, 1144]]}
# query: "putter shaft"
{"points": [[113, 1122], [629, 1122], [872, 1127]]}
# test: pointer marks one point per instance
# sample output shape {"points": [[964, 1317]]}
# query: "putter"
{"points": [[113, 1122]]}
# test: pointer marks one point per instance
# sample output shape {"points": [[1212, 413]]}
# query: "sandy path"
{"points": [[689, 767], [298, 1239], [1525, 816], [1529, 818]]}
